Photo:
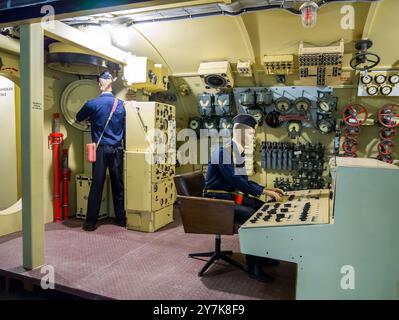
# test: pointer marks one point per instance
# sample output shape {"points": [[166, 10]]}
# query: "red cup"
{"points": [[238, 197]]}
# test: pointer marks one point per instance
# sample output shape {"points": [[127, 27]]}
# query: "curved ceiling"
{"points": [[183, 44]]}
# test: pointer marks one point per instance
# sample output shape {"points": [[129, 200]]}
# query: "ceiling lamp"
{"points": [[309, 14]]}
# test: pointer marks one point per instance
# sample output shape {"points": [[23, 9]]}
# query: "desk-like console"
{"points": [[344, 240]]}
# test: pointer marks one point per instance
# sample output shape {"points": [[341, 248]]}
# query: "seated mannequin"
{"points": [[226, 177]]}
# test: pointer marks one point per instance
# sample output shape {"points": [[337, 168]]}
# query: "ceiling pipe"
{"points": [[228, 10]]}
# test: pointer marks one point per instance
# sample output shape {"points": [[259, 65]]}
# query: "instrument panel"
{"points": [[295, 208]]}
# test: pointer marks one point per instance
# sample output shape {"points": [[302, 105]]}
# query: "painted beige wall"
{"points": [[54, 84]]}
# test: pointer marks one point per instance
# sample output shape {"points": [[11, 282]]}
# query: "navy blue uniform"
{"points": [[109, 153], [224, 175]]}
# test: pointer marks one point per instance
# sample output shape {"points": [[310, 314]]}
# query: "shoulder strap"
{"points": [[108, 120]]}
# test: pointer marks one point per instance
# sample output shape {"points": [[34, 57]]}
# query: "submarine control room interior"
{"points": [[200, 149]]}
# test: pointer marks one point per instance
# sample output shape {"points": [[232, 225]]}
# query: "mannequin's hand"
{"points": [[274, 193]]}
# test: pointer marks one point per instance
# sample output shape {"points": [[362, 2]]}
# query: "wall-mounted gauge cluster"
{"points": [[292, 107], [326, 104], [215, 112], [379, 83]]}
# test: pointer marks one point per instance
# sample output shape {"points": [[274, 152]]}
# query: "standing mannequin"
{"points": [[109, 152]]}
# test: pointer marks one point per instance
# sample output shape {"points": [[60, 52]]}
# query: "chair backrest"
{"points": [[190, 184], [206, 216]]}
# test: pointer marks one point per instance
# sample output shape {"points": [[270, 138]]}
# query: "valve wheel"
{"points": [[388, 116], [385, 157], [354, 115], [385, 147], [351, 132], [387, 133], [350, 146]]}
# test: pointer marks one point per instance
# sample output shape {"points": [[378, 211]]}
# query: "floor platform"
{"points": [[115, 263]]}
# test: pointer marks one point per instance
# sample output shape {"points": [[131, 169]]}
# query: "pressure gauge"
{"points": [[327, 103], [257, 114], [195, 124], [205, 104], [394, 78], [283, 104], [324, 106], [386, 90], [294, 129], [302, 104], [226, 123], [380, 79], [366, 79], [210, 124], [326, 125], [372, 90], [222, 104]]}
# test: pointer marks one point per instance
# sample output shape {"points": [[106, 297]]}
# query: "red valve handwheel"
{"points": [[386, 147], [387, 133], [350, 146], [351, 132], [385, 157], [388, 116], [354, 115]]}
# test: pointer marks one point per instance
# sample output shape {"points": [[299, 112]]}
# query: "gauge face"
{"points": [[380, 79], [326, 126], [283, 104], [294, 126], [294, 129], [386, 90], [225, 123], [257, 114], [194, 124], [366, 79], [209, 124], [394, 78], [324, 105], [302, 104], [372, 90]]}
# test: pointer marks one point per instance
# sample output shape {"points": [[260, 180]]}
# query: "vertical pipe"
{"points": [[55, 141], [66, 176]]}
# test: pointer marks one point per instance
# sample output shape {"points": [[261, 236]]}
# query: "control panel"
{"points": [[295, 208]]}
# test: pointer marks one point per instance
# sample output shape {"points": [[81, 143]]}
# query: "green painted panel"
{"points": [[364, 235]]}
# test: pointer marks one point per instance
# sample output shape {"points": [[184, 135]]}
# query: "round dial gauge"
{"points": [[380, 79], [257, 114], [366, 79], [302, 104], [386, 90], [283, 104], [326, 125], [324, 105], [194, 124], [394, 78], [372, 90], [294, 129]]}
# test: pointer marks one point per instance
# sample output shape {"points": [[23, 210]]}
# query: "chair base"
{"points": [[215, 256]]}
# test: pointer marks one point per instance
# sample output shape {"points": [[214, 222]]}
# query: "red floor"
{"points": [[116, 263]]}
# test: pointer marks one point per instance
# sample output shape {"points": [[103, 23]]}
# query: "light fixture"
{"points": [[309, 14], [121, 36]]}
